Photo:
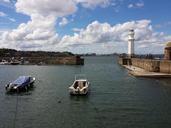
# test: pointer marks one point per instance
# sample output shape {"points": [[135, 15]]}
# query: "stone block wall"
{"points": [[73, 60], [70, 60], [124, 61], [165, 66], [151, 65], [147, 64]]}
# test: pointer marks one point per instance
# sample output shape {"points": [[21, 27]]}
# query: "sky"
{"points": [[85, 26]]}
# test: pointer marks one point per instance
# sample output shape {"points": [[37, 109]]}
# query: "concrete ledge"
{"points": [[139, 72]]}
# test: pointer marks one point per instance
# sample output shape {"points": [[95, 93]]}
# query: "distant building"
{"points": [[131, 43], [167, 51]]}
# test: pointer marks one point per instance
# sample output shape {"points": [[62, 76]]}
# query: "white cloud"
{"points": [[56, 8], [136, 5], [12, 19], [105, 35], [93, 3], [7, 1], [2, 14], [76, 29], [39, 28], [141, 4], [130, 6], [8, 4], [40, 31], [63, 22]]}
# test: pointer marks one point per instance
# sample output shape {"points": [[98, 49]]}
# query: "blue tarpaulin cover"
{"points": [[22, 80]]}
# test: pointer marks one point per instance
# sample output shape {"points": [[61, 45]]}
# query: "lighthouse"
{"points": [[131, 43]]}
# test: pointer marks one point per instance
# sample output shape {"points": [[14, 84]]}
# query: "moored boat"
{"points": [[80, 86], [22, 83], [15, 62], [4, 62]]}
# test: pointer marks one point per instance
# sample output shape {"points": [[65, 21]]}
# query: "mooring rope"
{"points": [[15, 114]]}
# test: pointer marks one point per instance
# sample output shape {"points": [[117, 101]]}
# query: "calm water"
{"points": [[117, 100]]}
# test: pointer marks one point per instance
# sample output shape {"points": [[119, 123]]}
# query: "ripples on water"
{"points": [[116, 100]]}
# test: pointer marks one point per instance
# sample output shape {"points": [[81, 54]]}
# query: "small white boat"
{"points": [[4, 62], [80, 86]]}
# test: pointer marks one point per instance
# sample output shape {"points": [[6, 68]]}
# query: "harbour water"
{"points": [[116, 100]]}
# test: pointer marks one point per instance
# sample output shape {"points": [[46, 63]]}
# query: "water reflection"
{"points": [[116, 100], [84, 98]]}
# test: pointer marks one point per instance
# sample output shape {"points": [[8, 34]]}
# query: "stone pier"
{"points": [[147, 67]]}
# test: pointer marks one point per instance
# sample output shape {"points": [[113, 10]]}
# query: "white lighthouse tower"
{"points": [[131, 43]]}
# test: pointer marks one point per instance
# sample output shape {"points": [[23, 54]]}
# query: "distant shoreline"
{"points": [[14, 57]]}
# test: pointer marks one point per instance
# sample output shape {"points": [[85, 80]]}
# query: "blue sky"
{"points": [[72, 28], [156, 11]]}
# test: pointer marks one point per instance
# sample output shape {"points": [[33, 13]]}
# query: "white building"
{"points": [[131, 42]]}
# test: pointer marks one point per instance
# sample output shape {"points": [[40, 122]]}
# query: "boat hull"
{"points": [[78, 93], [20, 88]]}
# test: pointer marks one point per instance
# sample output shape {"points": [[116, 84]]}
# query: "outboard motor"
{"points": [[7, 86]]}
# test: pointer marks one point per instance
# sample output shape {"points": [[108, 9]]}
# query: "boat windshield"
{"points": [[21, 80], [80, 76]]}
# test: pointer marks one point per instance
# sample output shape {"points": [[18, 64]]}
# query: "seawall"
{"points": [[151, 65], [70, 60]]}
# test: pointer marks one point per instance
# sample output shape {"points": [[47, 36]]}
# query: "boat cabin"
{"points": [[80, 84]]}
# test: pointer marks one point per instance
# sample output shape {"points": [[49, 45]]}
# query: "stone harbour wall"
{"points": [[124, 61], [147, 64], [73, 60], [70, 60], [165, 66], [151, 65]]}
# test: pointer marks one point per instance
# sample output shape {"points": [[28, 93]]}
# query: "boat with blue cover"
{"points": [[22, 83]]}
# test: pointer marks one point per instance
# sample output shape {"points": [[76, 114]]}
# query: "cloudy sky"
{"points": [[85, 26]]}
